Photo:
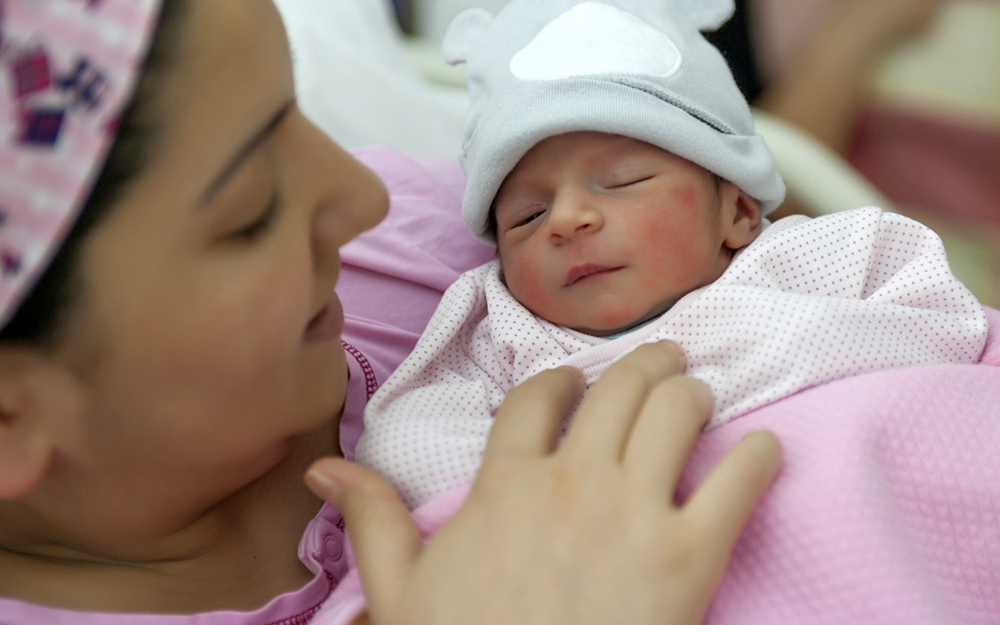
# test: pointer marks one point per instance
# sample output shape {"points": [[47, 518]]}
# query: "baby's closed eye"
{"points": [[530, 218], [628, 181]]}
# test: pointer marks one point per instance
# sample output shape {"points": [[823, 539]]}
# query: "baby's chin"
{"points": [[618, 328]]}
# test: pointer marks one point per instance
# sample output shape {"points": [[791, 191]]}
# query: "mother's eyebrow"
{"points": [[247, 149]]}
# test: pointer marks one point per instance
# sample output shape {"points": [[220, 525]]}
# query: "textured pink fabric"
{"points": [[887, 507], [71, 66], [886, 510]]}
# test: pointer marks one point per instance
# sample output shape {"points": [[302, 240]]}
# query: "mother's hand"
{"points": [[586, 533]]}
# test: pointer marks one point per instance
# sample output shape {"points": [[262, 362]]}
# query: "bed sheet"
{"points": [[354, 79]]}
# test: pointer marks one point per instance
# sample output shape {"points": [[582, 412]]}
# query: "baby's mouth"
{"points": [[582, 272]]}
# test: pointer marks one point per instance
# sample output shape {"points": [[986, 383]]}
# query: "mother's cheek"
{"points": [[246, 329], [267, 327]]}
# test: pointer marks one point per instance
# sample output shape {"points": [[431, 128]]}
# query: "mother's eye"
{"points": [[261, 224]]}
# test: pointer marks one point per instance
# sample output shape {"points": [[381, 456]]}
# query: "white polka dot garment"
{"points": [[812, 300]]}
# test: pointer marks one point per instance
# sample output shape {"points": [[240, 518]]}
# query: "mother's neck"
{"points": [[237, 555]]}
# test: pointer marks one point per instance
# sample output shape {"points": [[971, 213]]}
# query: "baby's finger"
{"points": [[606, 416], [665, 432], [384, 538], [527, 422], [723, 503]]}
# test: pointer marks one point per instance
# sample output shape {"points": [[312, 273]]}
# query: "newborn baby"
{"points": [[614, 162]]}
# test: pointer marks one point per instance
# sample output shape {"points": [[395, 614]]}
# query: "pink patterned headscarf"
{"points": [[68, 69]]}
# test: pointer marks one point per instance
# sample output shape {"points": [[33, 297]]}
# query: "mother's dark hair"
{"points": [[40, 317]]}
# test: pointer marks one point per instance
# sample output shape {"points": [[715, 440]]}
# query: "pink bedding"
{"points": [[887, 507]]}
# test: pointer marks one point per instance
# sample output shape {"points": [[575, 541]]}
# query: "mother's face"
{"points": [[207, 336]]}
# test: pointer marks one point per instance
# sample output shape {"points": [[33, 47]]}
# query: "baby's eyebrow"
{"points": [[246, 150]]}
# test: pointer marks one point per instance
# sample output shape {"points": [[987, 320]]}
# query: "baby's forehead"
{"points": [[586, 148], [605, 142]]}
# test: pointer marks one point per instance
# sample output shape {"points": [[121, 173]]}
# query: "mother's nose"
{"points": [[339, 196], [344, 209], [345, 197]]}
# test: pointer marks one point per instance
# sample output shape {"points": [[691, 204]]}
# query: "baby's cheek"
{"points": [[670, 247], [685, 198], [528, 287], [659, 239], [674, 273]]}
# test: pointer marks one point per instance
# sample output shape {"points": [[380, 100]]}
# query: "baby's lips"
{"points": [[580, 272]]}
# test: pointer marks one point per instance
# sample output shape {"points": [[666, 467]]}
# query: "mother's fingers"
{"points": [[723, 503], [529, 418], [665, 432], [606, 417]]}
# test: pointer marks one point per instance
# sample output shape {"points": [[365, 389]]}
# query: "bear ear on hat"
{"points": [[464, 34], [708, 15]]}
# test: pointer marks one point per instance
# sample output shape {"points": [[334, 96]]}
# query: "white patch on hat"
{"points": [[594, 38]]}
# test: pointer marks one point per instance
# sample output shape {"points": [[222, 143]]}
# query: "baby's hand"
{"points": [[583, 534]]}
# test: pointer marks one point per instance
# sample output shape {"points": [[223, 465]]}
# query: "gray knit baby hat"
{"points": [[638, 68]]}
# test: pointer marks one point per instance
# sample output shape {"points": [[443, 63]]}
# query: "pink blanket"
{"points": [[887, 507], [886, 510]]}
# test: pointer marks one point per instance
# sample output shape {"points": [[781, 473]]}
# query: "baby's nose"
{"points": [[573, 213]]}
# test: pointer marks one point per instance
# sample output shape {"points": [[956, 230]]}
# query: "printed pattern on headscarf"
{"points": [[811, 301], [68, 68]]}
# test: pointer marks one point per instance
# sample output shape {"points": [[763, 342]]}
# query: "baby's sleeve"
{"points": [[426, 428]]}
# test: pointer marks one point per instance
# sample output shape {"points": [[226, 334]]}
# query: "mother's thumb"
{"points": [[385, 540]]}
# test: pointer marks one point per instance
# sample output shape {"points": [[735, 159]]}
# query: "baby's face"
{"points": [[601, 232]]}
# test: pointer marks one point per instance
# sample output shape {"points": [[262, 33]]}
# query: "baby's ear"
{"points": [[746, 223], [464, 34], [25, 447], [708, 15]]}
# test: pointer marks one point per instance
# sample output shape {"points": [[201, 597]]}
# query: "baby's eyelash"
{"points": [[631, 182], [529, 219]]}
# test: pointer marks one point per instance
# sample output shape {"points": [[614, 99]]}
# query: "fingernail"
{"points": [[321, 484]]}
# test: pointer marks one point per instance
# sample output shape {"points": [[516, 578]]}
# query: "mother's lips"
{"points": [[581, 272], [327, 324]]}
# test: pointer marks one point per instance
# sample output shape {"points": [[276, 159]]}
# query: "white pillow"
{"points": [[354, 81]]}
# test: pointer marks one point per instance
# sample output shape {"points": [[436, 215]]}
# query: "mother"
{"points": [[168, 379]]}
